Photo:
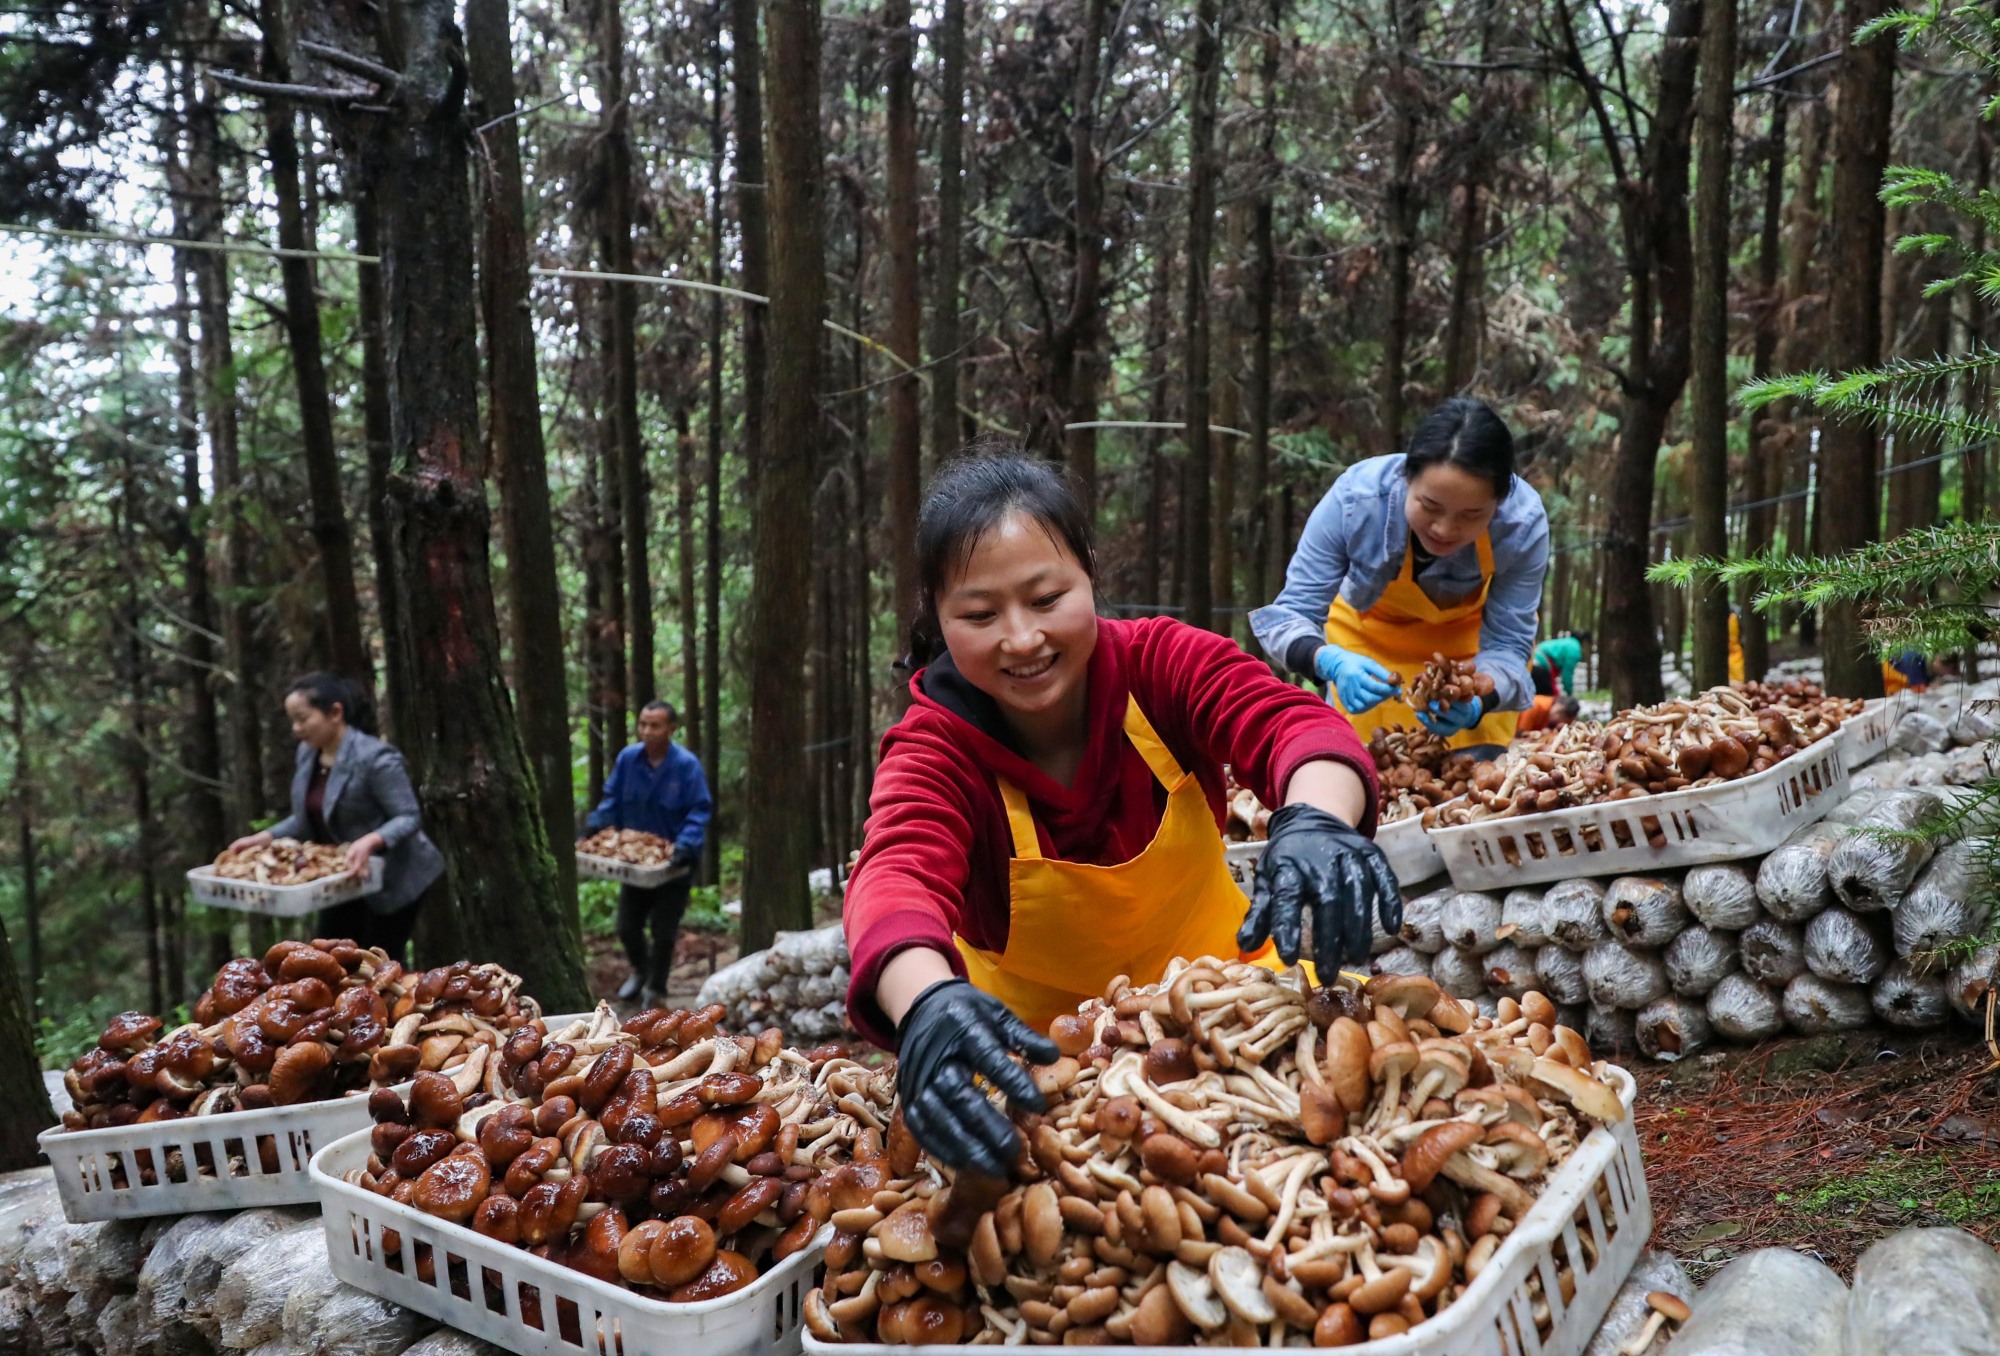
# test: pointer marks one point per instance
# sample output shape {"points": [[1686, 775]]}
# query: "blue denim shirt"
{"points": [[670, 800], [1353, 544]]}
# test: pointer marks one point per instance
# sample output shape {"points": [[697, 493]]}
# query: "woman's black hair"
{"points": [[1465, 433], [989, 479], [322, 690]]}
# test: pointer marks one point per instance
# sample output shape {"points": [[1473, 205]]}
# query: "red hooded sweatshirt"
{"points": [[934, 862]]}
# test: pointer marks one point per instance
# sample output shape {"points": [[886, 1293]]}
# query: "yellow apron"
{"points": [[1403, 630], [1076, 926], [1735, 648]]}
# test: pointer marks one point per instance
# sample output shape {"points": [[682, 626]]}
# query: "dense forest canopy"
{"points": [[528, 363]]}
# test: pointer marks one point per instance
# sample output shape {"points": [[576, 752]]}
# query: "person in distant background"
{"points": [[656, 787], [350, 787], [1909, 669], [1548, 712], [1735, 646], [1553, 667]]}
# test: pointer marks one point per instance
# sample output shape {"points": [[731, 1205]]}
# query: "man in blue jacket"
{"points": [[656, 787]]}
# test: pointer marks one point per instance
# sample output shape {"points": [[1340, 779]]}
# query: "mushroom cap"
{"points": [[681, 1251], [1448, 1061], [1397, 1056], [1580, 1089], [1537, 1008], [1575, 1049], [1671, 1305], [1239, 1280], [295, 1075], [1158, 1321], [1195, 1296], [1519, 1151], [1348, 1056], [1424, 1159], [1429, 1283], [1407, 995], [906, 1235]]}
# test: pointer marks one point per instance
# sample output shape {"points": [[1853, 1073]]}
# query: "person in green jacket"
{"points": [[1557, 658]]}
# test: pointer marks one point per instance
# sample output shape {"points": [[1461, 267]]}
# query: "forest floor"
{"points": [[1823, 1143]]}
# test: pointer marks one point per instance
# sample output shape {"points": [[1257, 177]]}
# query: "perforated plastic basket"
{"points": [[532, 1306], [1864, 737], [231, 1161], [1496, 1316], [625, 873], [1743, 818], [1405, 843], [282, 901]]}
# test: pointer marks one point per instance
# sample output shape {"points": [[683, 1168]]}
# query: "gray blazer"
{"points": [[368, 791]]}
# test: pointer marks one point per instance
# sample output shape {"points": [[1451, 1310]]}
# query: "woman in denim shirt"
{"points": [[1437, 550]]}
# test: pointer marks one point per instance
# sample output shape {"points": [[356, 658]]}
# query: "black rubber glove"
{"points": [[1316, 861], [950, 1033]]}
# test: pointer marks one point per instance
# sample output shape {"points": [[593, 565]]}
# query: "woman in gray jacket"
{"points": [[350, 787]]}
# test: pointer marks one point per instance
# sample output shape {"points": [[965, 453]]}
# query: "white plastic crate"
{"points": [[282, 901], [1242, 861], [1405, 843], [230, 1161], [1495, 1315], [1864, 737], [1743, 818], [625, 873], [479, 1286]]}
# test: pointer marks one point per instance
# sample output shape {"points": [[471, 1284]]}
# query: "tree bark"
{"points": [[1263, 305], [1073, 374], [1196, 504], [906, 416], [31, 872], [1798, 348], [459, 732], [778, 822], [1159, 300], [378, 434], [514, 437], [1849, 497], [1972, 488], [711, 630], [951, 226], [22, 1091], [753, 220], [1399, 212], [1766, 468], [1708, 396], [684, 552]]}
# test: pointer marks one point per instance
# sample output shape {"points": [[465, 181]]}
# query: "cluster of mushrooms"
{"points": [[631, 846], [1417, 771], [1808, 704], [1716, 737], [282, 861], [661, 1154], [1446, 681], [1231, 1157], [1246, 820]]}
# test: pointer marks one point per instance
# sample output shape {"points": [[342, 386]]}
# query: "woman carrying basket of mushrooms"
{"points": [[1439, 550], [1047, 814]]}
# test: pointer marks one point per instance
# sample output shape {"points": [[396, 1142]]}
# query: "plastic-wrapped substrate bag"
{"points": [[1847, 948], [1470, 920], [1610, 1031], [1918, 733], [1911, 996], [1771, 952], [251, 1293], [352, 1322], [1401, 960], [1644, 910], [1792, 883], [1858, 803], [1722, 895], [1629, 1311], [1620, 977], [1559, 974], [1814, 1006], [1971, 980], [1525, 912], [1697, 960], [1459, 973], [1934, 1291], [447, 1342], [1672, 1027], [1510, 970], [1575, 912], [1423, 920], [1975, 724], [1868, 873], [1741, 1009], [1772, 1302], [1943, 907]]}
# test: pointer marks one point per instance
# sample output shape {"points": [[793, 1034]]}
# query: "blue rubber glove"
{"points": [[1362, 683], [1445, 721]]}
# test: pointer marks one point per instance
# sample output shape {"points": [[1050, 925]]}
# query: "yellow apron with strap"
{"points": [[1403, 630], [1074, 926]]}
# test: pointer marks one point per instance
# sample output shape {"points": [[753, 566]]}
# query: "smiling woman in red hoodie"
{"points": [[1046, 816]]}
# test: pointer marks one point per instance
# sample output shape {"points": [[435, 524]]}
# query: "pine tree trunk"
{"points": [[778, 822], [1263, 304], [950, 43], [459, 732], [514, 434], [753, 219], [1227, 412], [1978, 387], [905, 402], [1399, 211], [380, 439], [1708, 395], [1158, 301], [1076, 360], [1196, 504], [711, 630], [1766, 470], [23, 796], [1798, 349], [22, 1091], [1849, 496], [684, 552]]}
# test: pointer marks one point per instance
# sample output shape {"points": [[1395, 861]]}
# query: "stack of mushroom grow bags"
{"points": [[798, 985], [1835, 929], [1230, 1158]]}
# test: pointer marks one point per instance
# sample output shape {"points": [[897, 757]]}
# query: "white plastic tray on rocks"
{"points": [[1865, 736], [481, 1287], [1495, 1315], [282, 901], [1744, 818], [625, 873]]}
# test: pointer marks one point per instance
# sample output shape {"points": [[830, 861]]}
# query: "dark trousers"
{"points": [[390, 931], [662, 907]]}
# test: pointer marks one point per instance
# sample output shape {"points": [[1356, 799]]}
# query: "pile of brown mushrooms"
{"points": [[282, 861], [1716, 737], [1815, 713], [662, 1154], [631, 846], [1417, 770], [1247, 820], [308, 1022], [1231, 1158], [1448, 681]]}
